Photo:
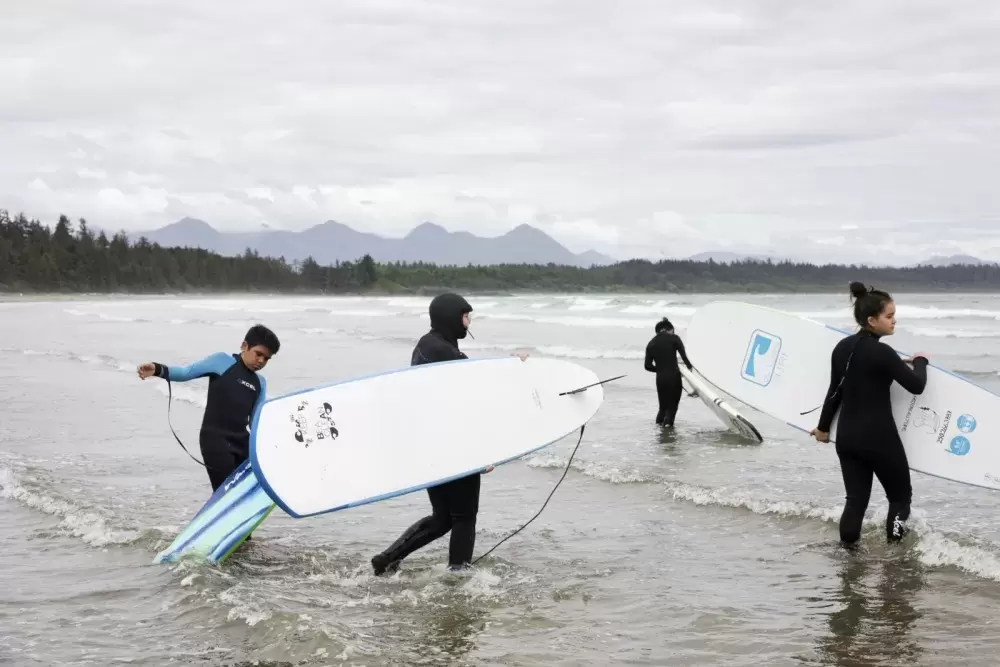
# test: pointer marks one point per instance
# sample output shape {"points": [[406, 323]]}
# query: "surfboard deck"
{"points": [[233, 511], [779, 363], [367, 439], [726, 413]]}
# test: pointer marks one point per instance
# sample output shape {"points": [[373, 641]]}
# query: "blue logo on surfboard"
{"points": [[966, 423], [959, 445], [761, 358]]}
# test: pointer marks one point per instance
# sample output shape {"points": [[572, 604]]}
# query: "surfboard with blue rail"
{"points": [[233, 512], [779, 363], [367, 439]]}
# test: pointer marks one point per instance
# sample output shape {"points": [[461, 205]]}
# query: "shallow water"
{"points": [[683, 548]]}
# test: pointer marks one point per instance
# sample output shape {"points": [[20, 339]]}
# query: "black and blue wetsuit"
{"points": [[234, 391]]}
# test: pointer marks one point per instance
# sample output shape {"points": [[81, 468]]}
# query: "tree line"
{"points": [[72, 258]]}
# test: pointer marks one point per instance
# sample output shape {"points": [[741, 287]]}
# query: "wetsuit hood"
{"points": [[446, 311]]}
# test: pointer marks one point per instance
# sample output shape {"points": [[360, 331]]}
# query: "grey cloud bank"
{"points": [[850, 131]]}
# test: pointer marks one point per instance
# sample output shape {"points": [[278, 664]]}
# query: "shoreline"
{"points": [[31, 297]]}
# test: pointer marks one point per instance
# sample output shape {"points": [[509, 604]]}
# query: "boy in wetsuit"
{"points": [[235, 388], [661, 358]]}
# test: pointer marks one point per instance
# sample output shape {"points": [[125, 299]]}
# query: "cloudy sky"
{"points": [[849, 130]]}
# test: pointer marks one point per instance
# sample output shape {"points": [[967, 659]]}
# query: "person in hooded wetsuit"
{"points": [[235, 388], [661, 358], [454, 504], [862, 371]]}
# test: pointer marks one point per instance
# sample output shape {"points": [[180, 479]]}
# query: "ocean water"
{"points": [[689, 547]]}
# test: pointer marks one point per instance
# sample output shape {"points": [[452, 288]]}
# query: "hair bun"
{"points": [[858, 289]]}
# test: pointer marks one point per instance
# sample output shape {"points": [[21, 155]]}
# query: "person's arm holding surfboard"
{"points": [[682, 351], [830, 405], [214, 364], [912, 380]]}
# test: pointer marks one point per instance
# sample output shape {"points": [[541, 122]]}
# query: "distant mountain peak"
{"points": [[527, 230], [191, 223], [331, 224], [427, 230]]}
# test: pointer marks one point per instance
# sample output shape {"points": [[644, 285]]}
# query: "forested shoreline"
{"points": [[70, 258]]}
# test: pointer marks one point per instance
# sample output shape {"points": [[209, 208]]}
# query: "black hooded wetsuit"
{"points": [[661, 358], [454, 504], [868, 441], [234, 392]]}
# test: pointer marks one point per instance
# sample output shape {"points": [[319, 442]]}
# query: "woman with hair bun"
{"points": [[661, 358], [863, 369]]}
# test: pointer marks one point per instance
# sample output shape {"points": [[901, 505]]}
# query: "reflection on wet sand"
{"points": [[873, 625]]}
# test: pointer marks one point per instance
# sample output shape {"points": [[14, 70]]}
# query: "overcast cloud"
{"points": [[849, 130]]}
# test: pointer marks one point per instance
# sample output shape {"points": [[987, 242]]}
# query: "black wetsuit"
{"points": [[454, 504], [867, 439], [233, 394], [661, 358]]}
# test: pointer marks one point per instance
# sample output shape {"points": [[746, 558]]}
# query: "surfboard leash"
{"points": [[565, 470], [170, 397], [843, 377], [582, 389], [551, 493]]}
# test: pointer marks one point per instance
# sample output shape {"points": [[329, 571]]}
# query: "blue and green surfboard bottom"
{"points": [[232, 513]]}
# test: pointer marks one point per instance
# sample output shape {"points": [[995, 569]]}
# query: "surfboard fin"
{"points": [[582, 389]]}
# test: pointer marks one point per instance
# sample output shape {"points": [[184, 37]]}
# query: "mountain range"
{"points": [[939, 260], [725, 257], [331, 242]]}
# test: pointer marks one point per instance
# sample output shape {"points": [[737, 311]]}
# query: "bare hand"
{"points": [[918, 354], [821, 436], [520, 355], [146, 370], [489, 469]]}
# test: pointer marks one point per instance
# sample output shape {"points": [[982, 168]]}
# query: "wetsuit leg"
{"points": [[661, 402], [893, 472], [420, 534], [219, 457], [463, 507], [858, 477], [668, 390]]}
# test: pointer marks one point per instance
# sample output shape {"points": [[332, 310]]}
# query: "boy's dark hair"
{"points": [[261, 335]]}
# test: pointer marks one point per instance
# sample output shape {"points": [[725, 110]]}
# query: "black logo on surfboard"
{"points": [[323, 427]]}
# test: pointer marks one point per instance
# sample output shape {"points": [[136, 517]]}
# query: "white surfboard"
{"points": [[779, 363], [362, 440], [726, 413]]}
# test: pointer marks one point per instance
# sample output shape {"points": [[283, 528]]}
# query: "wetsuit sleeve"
{"points": [[912, 380], [650, 363], [215, 364], [682, 351], [262, 396], [832, 402]]}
